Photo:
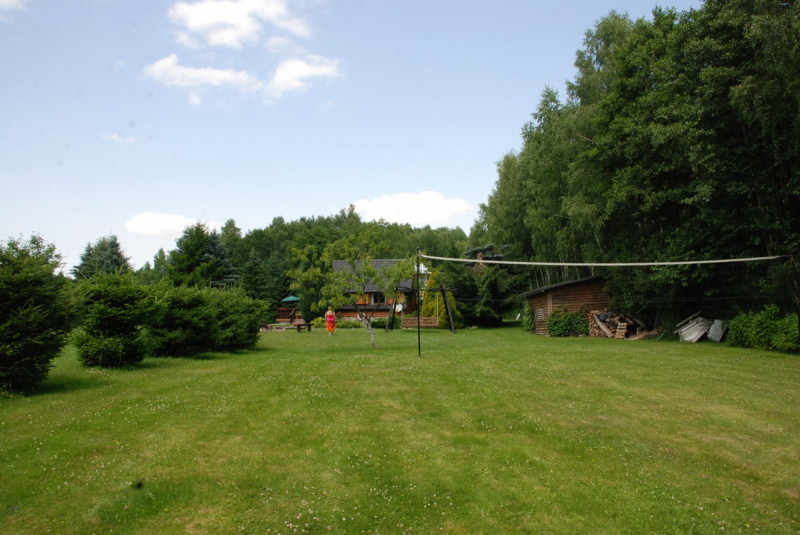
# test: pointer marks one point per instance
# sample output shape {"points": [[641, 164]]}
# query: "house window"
{"points": [[377, 298]]}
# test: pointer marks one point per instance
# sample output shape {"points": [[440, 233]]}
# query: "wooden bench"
{"points": [[286, 315], [300, 326], [410, 322]]}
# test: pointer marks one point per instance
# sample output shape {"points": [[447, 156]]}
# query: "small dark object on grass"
{"points": [[138, 485]]}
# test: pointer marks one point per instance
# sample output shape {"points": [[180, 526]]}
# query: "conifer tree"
{"points": [[104, 256]]}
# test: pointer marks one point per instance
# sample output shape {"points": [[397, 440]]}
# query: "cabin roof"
{"points": [[546, 289]]}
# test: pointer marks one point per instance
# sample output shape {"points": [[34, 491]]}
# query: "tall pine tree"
{"points": [[104, 256]]}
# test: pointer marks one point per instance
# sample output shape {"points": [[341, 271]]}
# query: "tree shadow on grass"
{"points": [[151, 362], [203, 356], [66, 383]]}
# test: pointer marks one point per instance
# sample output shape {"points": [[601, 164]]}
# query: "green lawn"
{"points": [[492, 431]]}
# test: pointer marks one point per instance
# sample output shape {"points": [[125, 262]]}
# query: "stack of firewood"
{"points": [[605, 324]]}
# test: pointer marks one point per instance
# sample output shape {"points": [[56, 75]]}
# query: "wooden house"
{"points": [[375, 303], [580, 295]]}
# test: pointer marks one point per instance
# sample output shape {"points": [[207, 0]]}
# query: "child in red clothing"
{"points": [[330, 321]]}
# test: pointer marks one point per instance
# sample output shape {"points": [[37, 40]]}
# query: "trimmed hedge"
{"points": [[187, 321], [237, 317], [377, 323], [183, 324], [111, 335]]}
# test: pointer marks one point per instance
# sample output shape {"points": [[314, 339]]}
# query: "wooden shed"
{"points": [[580, 295]]}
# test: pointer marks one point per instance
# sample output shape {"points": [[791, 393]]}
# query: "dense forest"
{"points": [[679, 139]]}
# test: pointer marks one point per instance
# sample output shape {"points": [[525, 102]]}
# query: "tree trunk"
{"points": [[368, 326]]}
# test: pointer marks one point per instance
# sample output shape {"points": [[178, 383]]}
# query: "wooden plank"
{"points": [[622, 327], [541, 324], [603, 327], [424, 321], [687, 320]]}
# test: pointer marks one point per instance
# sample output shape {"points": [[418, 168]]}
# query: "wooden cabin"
{"points": [[580, 295]]}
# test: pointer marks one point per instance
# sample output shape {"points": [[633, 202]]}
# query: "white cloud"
{"points": [[293, 74], [281, 44], [417, 209], [116, 138], [195, 99], [12, 4], [168, 71], [164, 225], [233, 22]]}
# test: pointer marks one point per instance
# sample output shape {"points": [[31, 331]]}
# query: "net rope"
{"points": [[601, 264]]}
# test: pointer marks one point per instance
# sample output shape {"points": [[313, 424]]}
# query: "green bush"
{"points": [[37, 311], [562, 322], [739, 330], [377, 323], [108, 351], [765, 327], [183, 322], [527, 318], [237, 317], [115, 309], [380, 323], [354, 324], [765, 330], [786, 337]]}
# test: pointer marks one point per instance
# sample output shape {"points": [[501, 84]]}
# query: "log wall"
{"points": [[582, 296]]}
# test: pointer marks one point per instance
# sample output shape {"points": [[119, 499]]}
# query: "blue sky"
{"points": [[136, 118]]}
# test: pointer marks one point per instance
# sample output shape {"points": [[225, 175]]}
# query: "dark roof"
{"points": [[367, 308], [546, 289], [379, 265]]}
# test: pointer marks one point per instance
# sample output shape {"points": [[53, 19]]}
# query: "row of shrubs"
{"points": [[123, 321], [767, 329], [377, 323], [112, 320]]}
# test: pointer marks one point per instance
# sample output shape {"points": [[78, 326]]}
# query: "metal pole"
{"points": [[419, 312], [793, 260], [449, 312]]}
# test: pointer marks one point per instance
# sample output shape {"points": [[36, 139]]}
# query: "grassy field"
{"points": [[492, 431]]}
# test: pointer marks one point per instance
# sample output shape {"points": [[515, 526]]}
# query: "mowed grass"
{"points": [[491, 431]]}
